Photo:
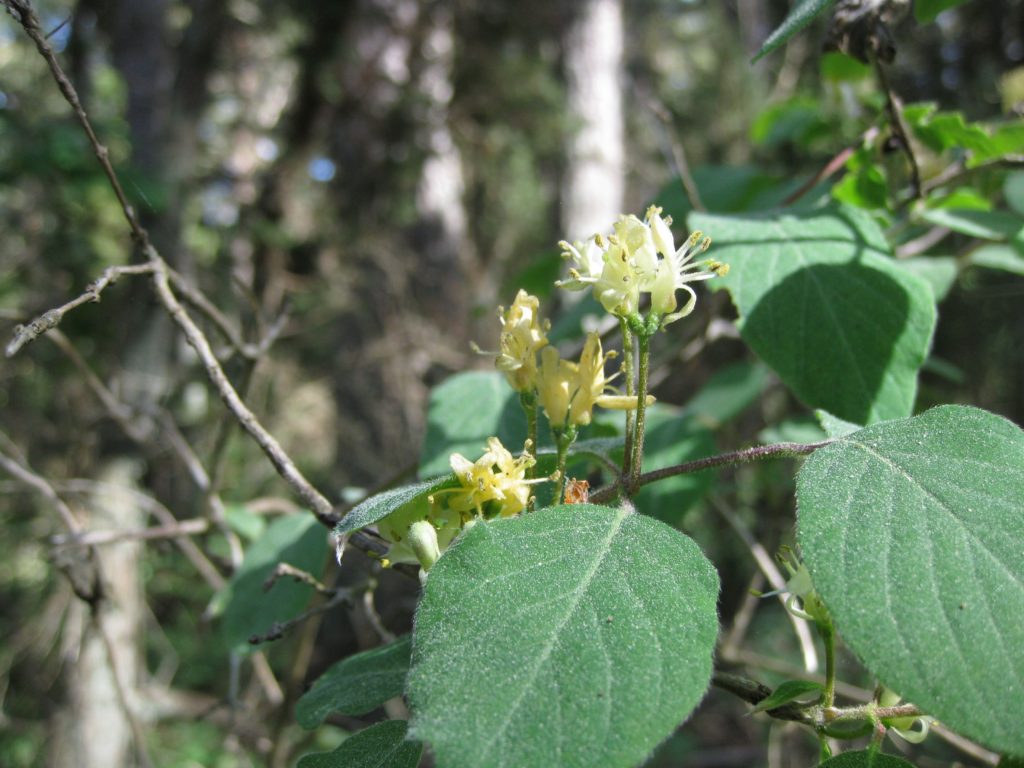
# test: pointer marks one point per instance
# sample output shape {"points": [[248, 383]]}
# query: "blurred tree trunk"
{"points": [[439, 193], [593, 189], [93, 730]]}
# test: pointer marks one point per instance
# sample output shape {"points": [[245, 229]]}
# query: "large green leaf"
{"points": [[464, 411], [865, 759], [574, 636], [381, 505], [913, 531], [800, 15], [823, 304], [356, 685], [298, 540], [380, 746]]}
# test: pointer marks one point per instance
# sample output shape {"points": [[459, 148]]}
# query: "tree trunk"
{"points": [[593, 188]]}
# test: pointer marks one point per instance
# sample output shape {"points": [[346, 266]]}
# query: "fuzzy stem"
{"points": [[564, 438], [627, 372], [828, 637], [641, 413]]}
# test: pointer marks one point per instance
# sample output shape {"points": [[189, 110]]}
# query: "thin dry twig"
{"points": [[677, 154], [775, 578], [899, 128], [286, 570], [24, 334], [279, 629]]}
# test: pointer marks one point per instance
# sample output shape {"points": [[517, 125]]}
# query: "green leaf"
{"points": [[728, 393], [672, 437], [834, 426], [938, 271], [576, 635], [356, 685], [244, 522], [1013, 191], [463, 412], [728, 189], [821, 302], [865, 759], [298, 540], [790, 690], [913, 533], [379, 746], [383, 504], [986, 225], [999, 256], [925, 11], [802, 13], [839, 67], [864, 185]]}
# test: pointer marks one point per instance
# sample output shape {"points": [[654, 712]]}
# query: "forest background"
{"points": [[356, 186]]}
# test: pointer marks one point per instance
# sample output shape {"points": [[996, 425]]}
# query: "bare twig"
{"points": [[286, 570], [282, 462], [279, 628], [776, 451], [86, 578], [676, 153], [899, 128], [830, 168], [775, 578], [23, 334], [919, 245], [97, 538]]}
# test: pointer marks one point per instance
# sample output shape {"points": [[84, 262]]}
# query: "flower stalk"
{"points": [[637, 448]]}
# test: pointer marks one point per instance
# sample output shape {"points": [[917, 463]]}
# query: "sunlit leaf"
{"points": [[913, 532], [576, 635]]}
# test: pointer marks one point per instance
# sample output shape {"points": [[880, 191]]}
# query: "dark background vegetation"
{"points": [[274, 151]]}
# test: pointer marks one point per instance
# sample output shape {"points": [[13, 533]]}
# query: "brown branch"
{"points": [[279, 628], [24, 334], [775, 451], [286, 570], [96, 538], [899, 128], [26, 16]]}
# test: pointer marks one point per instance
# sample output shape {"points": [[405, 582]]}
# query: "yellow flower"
{"points": [[677, 268], [522, 335], [569, 391], [640, 257], [495, 484]]}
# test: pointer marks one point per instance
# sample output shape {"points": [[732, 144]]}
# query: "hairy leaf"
{"points": [[913, 531], [800, 15], [356, 685], [865, 759], [577, 635], [379, 746], [823, 304], [381, 505]]}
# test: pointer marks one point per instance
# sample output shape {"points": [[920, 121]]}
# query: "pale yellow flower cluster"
{"points": [[496, 481], [522, 335], [495, 485], [569, 391], [640, 257]]}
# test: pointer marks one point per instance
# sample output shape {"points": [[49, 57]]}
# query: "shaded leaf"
{"points": [[464, 411], [925, 11], [298, 540], [913, 532], [379, 746], [823, 304], [790, 690], [576, 635], [356, 685]]}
